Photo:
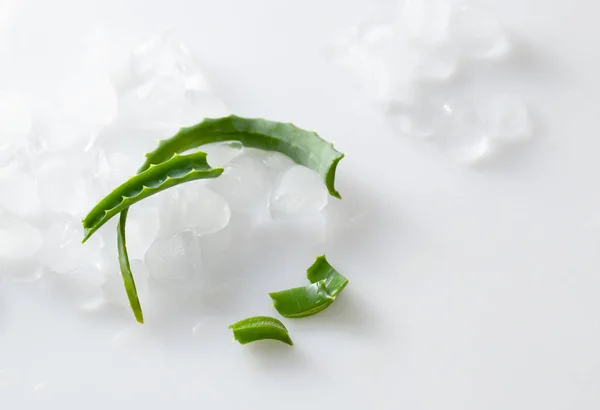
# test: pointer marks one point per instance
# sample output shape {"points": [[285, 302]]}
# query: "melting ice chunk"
{"points": [[245, 185], [299, 191], [193, 207], [174, 259], [63, 251], [19, 195], [15, 123], [220, 154], [462, 135], [61, 188], [18, 240], [143, 225]]}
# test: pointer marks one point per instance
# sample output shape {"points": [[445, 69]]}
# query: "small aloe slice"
{"points": [[322, 270], [303, 301], [178, 169], [308, 300], [304, 147], [260, 328]]}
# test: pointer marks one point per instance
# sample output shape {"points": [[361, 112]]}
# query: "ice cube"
{"points": [[299, 191], [175, 259], [462, 135], [220, 154], [18, 240], [245, 184], [19, 194], [113, 169], [431, 62], [367, 52], [275, 162], [506, 119], [16, 121], [62, 188], [425, 21], [143, 225], [201, 102], [81, 108], [193, 207], [478, 33], [153, 110], [173, 90], [90, 100], [162, 56], [416, 118], [63, 251]]}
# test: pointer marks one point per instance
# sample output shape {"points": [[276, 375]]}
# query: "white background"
{"points": [[470, 288]]}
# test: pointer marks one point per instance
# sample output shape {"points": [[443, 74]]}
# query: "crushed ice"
{"points": [[409, 66], [56, 164]]}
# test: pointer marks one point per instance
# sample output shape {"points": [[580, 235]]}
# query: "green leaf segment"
{"points": [[308, 300], [260, 328]]}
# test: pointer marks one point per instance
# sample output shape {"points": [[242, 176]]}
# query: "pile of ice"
{"points": [[410, 67], [55, 167]]}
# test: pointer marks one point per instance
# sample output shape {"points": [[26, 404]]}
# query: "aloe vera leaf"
{"points": [[322, 270], [178, 169], [128, 281], [304, 147], [260, 328], [302, 301]]}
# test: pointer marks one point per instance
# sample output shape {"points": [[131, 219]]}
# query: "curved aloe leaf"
{"points": [[178, 169], [304, 147], [322, 270], [260, 328], [302, 301], [128, 281]]}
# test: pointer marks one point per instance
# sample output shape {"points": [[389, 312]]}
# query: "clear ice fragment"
{"points": [[299, 191], [174, 259], [245, 185]]}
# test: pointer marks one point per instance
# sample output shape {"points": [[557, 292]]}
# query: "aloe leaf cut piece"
{"points": [[177, 170], [322, 270], [128, 281], [304, 147], [260, 328], [303, 301]]}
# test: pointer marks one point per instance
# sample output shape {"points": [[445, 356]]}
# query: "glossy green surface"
{"points": [[260, 328], [303, 301], [177, 170], [322, 270], [128, 280], [304, 147]]}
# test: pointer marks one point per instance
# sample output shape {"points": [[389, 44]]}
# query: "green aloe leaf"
{"points": [[177, 170], [322, 270], [128, 281], [303, 301], [260, 328], [304, 147]]}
